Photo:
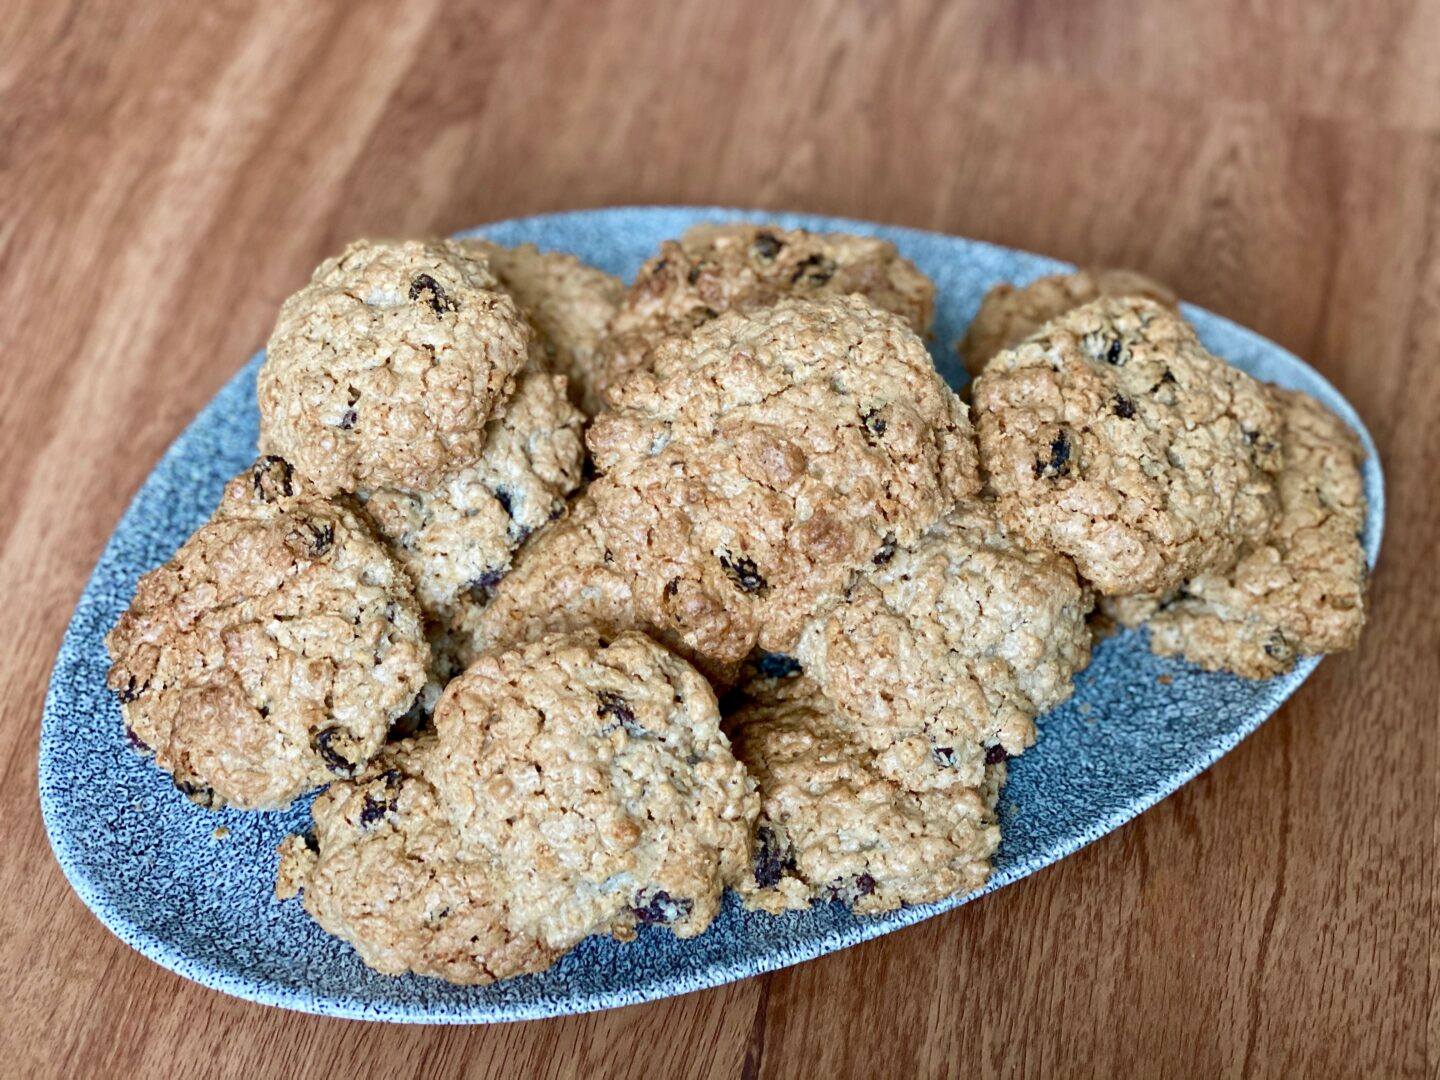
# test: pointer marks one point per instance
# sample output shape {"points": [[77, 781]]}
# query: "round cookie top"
{"points": [[767, 458], [742, 267], [385, 870], [459, 536], [384, 370], [598, 777], [1009, 314], [1113, 437], [273, 651], [836, 824], [963, 638], [1302, 591], [569, 302], [566, 580]]}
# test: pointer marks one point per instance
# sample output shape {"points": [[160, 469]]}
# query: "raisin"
{"points": [[506, 501], [333, 759], [886, 552], [873, 421], [374, 809], [139, 745], [1059, 461], [774, 665], [479, 587], [744, 573], [348, 420], [771, 861], [269, 474], [850, 891], [660, 908], [434, 293], [199, 794], [944, 756], [311, 842], [1124, 407], [130, 691], [615, 706], [814, 272], [767, 245], [864, 885], [995, 755], [1115, 354], [318, 538], [672, 586]]}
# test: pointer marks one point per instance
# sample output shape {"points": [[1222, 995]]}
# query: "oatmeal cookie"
{"points": [[386, 368], [717, 268], [766, 459], [385, 870], [459, 536], [963, 637], [1301, 592], [837, 824], [272, 653], [1009, 314], [568, 301], [1114, 437], [598, 776]]}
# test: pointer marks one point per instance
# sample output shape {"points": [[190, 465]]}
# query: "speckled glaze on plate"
{"points": [[146, 860]]}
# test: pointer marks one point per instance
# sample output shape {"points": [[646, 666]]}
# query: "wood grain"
{"points": [[170, 171]]}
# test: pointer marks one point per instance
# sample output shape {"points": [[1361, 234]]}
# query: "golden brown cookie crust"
{"points": [[837, 824], [1114, 437], [1301, 592], [713, 269], [273, 651], [385, 369], [765, 460], [460, 536], [385, 870], [598, 775], [1009, 314], [964, 638], [568, 301]]}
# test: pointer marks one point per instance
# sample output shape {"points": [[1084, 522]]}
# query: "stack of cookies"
{"points": [[586, 603]]}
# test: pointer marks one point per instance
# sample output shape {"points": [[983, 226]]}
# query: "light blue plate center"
{"points": [[146, 862]]}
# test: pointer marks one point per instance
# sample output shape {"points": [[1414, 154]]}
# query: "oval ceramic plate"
{"points": [[150, 865]]}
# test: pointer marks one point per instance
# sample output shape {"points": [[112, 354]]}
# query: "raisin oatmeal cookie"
{"points": [[459, 536], [385, 870], [272, 653], [1112, 436], [837, 824], [568, 301], [1009, 314], [1301, 592], [766, 459], [717, 268], [386, 368], [963, 637], [598, 777]]}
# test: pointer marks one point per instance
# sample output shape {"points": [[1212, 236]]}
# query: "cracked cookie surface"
{"points": [[599, 777], [766, 459], [1302, 591], [964, 638], [1009, 313], [713, 269], [1114, 437], [272, 652], [461, 535], [384, 370], [568, 301], [837, 824], [385, 870]]}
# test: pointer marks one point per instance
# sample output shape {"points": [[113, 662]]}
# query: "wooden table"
{"points": [[166, 177]]}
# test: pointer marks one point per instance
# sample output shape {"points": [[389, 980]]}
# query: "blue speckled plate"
{"points": [[147, 862]]}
